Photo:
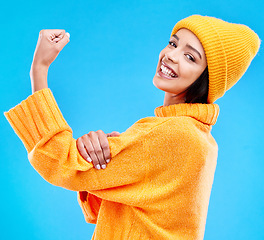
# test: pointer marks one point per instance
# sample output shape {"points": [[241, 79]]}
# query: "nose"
{"points": [[172, 55]]}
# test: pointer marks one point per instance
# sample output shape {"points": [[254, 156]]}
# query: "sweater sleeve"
{"points": [[90, 205], [53, 153]]}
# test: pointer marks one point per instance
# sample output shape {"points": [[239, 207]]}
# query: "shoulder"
{"points": [[163, 129], [175, 125], [147, 124], [180, 131]]}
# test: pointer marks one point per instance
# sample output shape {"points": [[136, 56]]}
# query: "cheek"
{"points": [[190, 71], [185, 69]]}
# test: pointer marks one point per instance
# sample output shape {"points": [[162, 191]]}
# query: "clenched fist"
{"points": [[50, 43]]}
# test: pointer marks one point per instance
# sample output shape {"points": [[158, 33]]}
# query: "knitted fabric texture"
{"points": [[229, 50], [158, 182]]}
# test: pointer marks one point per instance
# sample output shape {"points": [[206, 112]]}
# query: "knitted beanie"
{"points": [[229, 49]]}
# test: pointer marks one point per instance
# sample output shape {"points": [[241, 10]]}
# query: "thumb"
{"points": [[113, 134]]}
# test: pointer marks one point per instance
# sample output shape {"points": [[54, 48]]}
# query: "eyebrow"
{"points": [[188, 45]]}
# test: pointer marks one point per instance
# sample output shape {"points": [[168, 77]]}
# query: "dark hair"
{"points": [[197, 92]]}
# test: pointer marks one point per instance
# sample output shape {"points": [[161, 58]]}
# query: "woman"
{"points": [[158, 183]]}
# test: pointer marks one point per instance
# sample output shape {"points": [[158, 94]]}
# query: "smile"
{"points": [[166, 71]]}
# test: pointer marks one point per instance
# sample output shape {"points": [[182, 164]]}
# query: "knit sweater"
{"points": [[159, 180]]}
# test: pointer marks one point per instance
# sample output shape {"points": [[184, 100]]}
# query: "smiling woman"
{"points": [[183, 61], [158, 182]]}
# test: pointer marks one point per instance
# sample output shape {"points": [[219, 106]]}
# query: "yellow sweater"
{"points": [[159, 181]]}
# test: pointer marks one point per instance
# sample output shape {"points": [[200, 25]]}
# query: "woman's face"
{"points": [[181, 62]]}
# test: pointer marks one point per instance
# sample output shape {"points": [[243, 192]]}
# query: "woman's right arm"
{"points": [[53, 153], [49, 45], [52, 150]]}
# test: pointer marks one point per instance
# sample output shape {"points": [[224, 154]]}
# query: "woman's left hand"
{"points": [[94, 147]]}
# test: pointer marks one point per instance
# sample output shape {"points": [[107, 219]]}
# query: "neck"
{"points": [[171, 98]]}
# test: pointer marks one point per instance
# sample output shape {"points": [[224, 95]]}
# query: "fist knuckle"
{"points": [[91, 133], [44, 32]]}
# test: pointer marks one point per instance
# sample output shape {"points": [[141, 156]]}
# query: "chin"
{"points": [[156, 83], [161, 85]]}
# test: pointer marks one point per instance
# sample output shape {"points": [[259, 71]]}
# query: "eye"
{"points": [[172, 44], [190, 57]]}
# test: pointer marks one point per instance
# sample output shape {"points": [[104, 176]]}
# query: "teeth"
{"points": [[167, 71]]}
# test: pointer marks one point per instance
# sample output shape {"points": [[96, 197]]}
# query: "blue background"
{"points": [[103, 80]]}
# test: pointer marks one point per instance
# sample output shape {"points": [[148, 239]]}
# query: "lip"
{"points": [[166, 65], [161, 74]]}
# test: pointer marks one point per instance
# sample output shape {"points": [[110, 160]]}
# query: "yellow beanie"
{"points": [[229, 50]]}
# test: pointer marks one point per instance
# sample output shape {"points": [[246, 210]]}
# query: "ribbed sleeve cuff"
{"points": [[35, 117]]}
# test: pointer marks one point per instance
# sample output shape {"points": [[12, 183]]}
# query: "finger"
{"points": [[98, 149], [62, 40], [91, 151], [57, 36], [56, 32], [82, 150], [52, 33], [115, 134], [104, 145]]}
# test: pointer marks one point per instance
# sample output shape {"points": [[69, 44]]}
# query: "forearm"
{"points": [[52, 151], [48, 139], [38, 76]]}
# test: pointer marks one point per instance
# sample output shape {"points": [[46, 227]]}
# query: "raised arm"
{"points": [[50, 43], [53, 152], [51, 148]]}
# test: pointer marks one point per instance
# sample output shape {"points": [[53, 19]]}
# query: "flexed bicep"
{"points": [[53, 151]]}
